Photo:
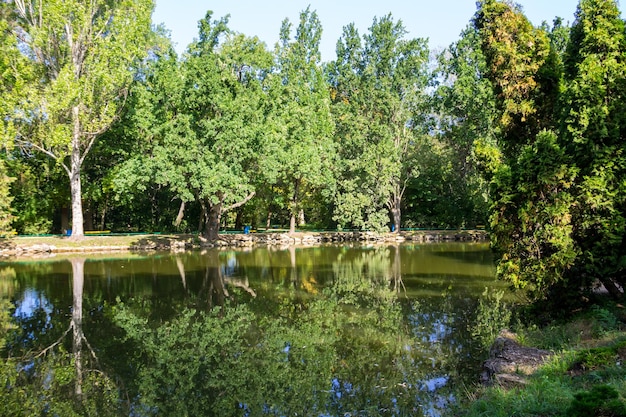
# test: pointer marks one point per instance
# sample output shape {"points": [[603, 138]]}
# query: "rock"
{"points": [[510, 363]]}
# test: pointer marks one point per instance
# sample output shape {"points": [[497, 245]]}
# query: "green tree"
{"points": [[465, 119], [11, 67], [531, 178], [594, 127], [6, 216], [202, 122], [523, 75], [299, 117], [378, 90], [79, 55]]}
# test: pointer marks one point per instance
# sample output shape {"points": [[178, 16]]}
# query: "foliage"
{"points": [[378, 91], [602, 400], [201, 120], [299, 119], [556, 217], [38, 191], [78, 60], [11, 63], [594, 120], [524, 79], [464, 116], [6, 216], [531, 220]]}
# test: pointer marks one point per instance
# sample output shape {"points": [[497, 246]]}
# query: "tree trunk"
{"points": [[181, 214], [396, 213], [301, 219], [294, 207], [75, 184], [268, 223], [612, 288], [292, 223], [239, 219], [213, 219]]}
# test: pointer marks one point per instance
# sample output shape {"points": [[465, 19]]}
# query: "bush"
{"points": [[602, 400]]}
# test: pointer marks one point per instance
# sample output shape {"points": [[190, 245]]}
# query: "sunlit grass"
{"points": [[589, 352]]}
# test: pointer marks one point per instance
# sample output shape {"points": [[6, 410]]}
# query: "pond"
{"points": [[310, 331]]}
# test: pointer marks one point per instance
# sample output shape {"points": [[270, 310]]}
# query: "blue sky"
{"points": [[439, 20]]}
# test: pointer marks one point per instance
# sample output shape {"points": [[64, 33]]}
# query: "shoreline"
{"points": [[33, 246]]}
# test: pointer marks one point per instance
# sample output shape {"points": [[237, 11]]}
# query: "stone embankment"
{"points": [[315, 238], [15, 248]]}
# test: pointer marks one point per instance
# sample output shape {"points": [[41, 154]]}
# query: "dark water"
{"points": [[315, 331]]}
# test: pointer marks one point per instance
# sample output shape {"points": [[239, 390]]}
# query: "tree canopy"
{"points": [[515, 127], [77, 58]]}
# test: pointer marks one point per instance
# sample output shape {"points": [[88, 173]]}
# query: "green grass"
{"points": [[113, 240], [587, 371]]}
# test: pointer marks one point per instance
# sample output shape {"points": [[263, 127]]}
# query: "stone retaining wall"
{"points": [[303, 238], [11, 249]]}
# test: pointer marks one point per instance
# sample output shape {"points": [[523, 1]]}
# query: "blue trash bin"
{"points": [[68, 232], [246, 229]]}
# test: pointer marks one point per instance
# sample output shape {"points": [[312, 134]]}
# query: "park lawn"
{"points": [[121, 241]]}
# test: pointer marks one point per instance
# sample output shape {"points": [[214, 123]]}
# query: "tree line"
{"points": [[516, 127]]}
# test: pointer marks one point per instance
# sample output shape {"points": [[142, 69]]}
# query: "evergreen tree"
{"points": [[530, 176], [594, 124]]}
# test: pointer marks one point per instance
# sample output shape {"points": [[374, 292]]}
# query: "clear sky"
{"points": [[441, 21]]}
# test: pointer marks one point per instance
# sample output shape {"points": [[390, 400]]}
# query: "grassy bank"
{"points": [[586, 376], [114, 240]]}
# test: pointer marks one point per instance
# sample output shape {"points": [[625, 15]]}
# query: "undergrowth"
{"points": [[586, 376]]}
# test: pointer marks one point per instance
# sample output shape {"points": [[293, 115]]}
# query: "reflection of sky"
{"points": [[31, 301], [228, 270], [431, 327]]}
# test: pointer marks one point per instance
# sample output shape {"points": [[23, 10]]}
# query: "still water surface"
{"points": [[316, 331]]}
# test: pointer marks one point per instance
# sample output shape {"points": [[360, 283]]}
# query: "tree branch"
{"points": [[43, 352], [23, 144], [240, 203]]}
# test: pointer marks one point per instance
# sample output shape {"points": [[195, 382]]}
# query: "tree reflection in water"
{"points": [[318, 331]]}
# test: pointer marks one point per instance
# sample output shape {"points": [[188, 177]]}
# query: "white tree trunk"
{"points": [[74, 173]]}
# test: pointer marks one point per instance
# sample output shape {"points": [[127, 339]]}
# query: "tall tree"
{"points": [[529, 171], [202, 121], [11, 66], [378, 87], [79, 55], [300, 116], [595, 128], [464, 120], [520, 71]]}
